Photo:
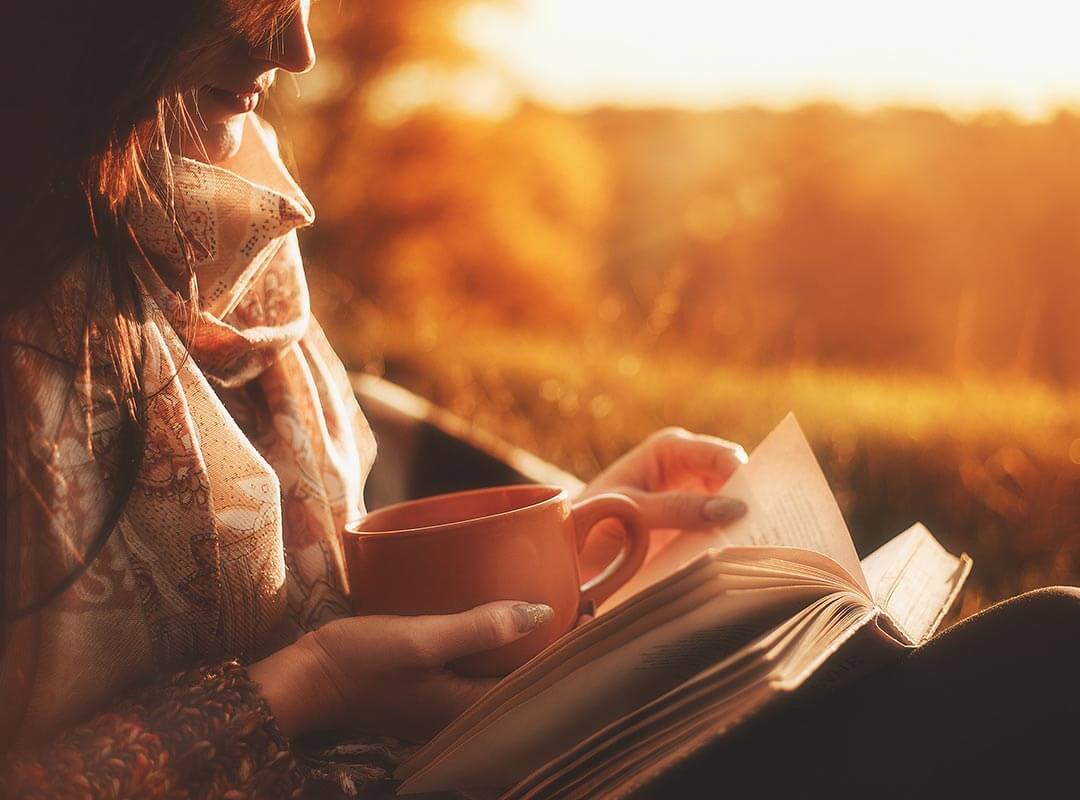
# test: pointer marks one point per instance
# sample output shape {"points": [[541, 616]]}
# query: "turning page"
{"points": [[789, 504]]}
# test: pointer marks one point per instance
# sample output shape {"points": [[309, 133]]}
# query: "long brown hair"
{"points": [[92, 99]]}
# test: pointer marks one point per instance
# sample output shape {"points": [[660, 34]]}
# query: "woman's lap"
{"points": [[980, 709]]}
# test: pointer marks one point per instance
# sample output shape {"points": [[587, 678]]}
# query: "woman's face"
{"points": [[232, 83]]}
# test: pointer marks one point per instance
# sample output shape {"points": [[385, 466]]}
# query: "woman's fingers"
{"points": [[463, 692], [452, 636], [444, 696], [457, 693], [686, 510], [445, 638], [681, 455]]}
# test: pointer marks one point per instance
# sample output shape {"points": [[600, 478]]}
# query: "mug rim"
{"points": [[557, 494]]}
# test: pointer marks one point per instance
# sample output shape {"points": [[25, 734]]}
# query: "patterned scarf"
{"points": [[255, 456]]}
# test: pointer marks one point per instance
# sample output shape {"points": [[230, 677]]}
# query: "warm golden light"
{"points": [[961, 54], [904, 278]]}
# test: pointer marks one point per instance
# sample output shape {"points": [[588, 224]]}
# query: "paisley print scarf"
{"points": [[255, 455]]}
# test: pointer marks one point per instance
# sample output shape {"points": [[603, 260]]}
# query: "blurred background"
{"points": [[575, 222]]}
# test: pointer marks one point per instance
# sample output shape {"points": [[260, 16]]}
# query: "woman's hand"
{"points": [[674, 476], [388, 675]]}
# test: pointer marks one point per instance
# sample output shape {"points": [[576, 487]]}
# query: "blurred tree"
{"points": [[438, 195], [898, 239]]}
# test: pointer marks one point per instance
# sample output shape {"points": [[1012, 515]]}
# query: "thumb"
{"points": [[687, 510], [485, 627]]}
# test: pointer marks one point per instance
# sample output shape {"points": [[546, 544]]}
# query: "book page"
{"points": [[796, 507], [915, 580], [790, 504]]}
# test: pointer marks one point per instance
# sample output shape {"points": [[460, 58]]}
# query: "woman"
{"points": [[181, 447]]}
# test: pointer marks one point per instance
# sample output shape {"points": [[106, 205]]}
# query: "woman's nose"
{"points": [[291, 49]]}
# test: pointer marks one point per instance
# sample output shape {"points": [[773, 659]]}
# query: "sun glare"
{"points": [[961, 55]]}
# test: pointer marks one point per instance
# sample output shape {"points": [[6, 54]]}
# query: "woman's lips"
{"points": [[236, 102]]}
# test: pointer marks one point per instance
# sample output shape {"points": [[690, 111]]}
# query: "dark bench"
{"points": [[425, 450]]}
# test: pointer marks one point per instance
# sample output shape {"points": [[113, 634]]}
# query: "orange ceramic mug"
{"points": [[452, 552]]}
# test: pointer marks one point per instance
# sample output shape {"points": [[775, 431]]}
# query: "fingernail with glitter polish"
{"points": [[532, 615]]}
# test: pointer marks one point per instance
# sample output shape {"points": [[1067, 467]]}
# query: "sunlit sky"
{"points": [[959, 54]]}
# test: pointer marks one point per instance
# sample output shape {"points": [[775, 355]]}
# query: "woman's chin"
{"points": [[218, 141]]}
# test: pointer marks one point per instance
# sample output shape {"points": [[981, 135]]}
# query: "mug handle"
{"points": [[587, 514]]}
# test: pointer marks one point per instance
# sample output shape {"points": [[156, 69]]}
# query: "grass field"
{"points": [[991, 467]]}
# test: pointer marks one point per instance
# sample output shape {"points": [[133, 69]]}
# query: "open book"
{"points": [[717, 626]]}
